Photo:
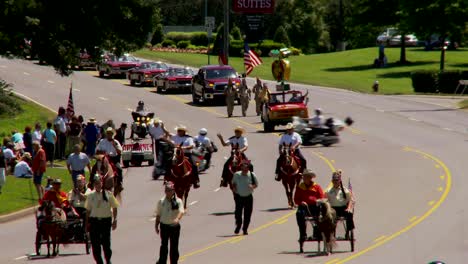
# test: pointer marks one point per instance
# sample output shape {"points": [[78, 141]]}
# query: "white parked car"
{"points": [[391, 37]]}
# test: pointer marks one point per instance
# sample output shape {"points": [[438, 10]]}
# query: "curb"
{"points": [[17, 215]]}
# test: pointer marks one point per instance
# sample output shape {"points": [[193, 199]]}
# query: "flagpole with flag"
{"points": [[251, 59], [70, 105]]}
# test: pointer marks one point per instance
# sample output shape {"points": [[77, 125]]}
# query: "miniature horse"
{"points": [[289, 172], [180, 174], [327, 225], [52, 226]]}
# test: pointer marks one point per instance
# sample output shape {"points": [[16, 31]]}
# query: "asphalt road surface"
{"points": [[405, 157]]}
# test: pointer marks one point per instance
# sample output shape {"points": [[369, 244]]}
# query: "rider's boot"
{"points": [[277, 177], [196, 185]]}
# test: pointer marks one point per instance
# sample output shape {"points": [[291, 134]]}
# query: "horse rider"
{"points": [[206, 143], [293, 138], [306, 196], [318, 120], [186, 142], [157, 131], [231, 93], [258, 101], [113, 149], [59, 198], [237, 139], [341, 199], [244, 96]]}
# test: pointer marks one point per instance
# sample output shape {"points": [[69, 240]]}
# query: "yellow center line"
{"points": [[435, 205], [332, 261], [413, 218], [380, 238]]}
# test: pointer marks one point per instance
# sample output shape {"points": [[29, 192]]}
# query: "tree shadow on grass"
{"points": [[395, 75], [460, 65], [370, 66]]}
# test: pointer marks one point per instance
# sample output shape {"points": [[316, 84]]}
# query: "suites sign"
{"points": [[253, 6]]}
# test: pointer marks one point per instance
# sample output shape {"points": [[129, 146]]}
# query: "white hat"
{"points": [[156, 120], [110, 130], [203, 131], [180, 127], [290, 126]]}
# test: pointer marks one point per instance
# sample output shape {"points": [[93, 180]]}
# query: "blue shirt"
{"points": [[50, 135], [91, 131], [17, 137]]}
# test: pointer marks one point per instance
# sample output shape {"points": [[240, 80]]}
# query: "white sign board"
{"points": [[210, 22]]}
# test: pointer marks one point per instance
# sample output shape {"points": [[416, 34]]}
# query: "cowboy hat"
{"points": [[240, 129], [110, 130], [180, 127], [290, 126], [92, 120], [156, 120], [309, 172], [57, 181]]}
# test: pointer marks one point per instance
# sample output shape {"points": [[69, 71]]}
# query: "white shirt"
{"points": [[203, 140], [185, 141], [165, 212], [242, 141], [317, 120], [107, 146], [22, 169], [8, 154], [290, 139], [61, 122], [36, 135], [156, 131], [336, 198]]}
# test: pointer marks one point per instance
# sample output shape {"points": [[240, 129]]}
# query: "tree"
{"points": [[58, 30], [281, 36]]}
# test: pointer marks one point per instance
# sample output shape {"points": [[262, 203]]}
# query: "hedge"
{"points": [[448, 81], [424, 81], [196, 38], [437, 81], [236, 48], [167, 43], [183, 44]]}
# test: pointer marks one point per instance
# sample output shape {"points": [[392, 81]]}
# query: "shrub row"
{"points": [[195, 38], [434, 81], [236, 48]]}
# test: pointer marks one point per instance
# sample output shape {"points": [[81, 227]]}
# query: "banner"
{"points": [[253, 6]]}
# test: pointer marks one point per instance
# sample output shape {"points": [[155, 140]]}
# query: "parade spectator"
{"points": [[27, 139], [77, 162], [16, 137], [77, 196], [38, 167], [101, 213], [37, 133], [22, 168], [49, 140], [120, 133], [48, 185], [10, 156], [60, 127], [91, 136], [105, 126], [169, 211], [244, 183], [74, 135], [2, 170]]}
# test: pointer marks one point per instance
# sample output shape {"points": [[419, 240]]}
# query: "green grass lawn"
{"points": [[20, 193], [463, 104], [349, 69], [32, 113]]}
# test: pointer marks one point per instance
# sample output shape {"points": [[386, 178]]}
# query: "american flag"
{"points": [[350, 187], [251, 59], [222, 60], [70, 106]]}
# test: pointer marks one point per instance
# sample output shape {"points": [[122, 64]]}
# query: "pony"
{"points": [[326, 224], [234, 166], [289, 172], [52, 226], [179, 174]]}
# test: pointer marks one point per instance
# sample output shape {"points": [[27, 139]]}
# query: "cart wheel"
{"points": [[126, 163], [351, 239], [150, 162], [38, 243]]}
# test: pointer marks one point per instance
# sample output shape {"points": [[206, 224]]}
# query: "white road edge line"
{"points": [[49, 81], [448, 129], [192, 203], [34, 101], [217, 189], [25, 73], [78, 90], [414, 119], [103, 98], [22, 257], [380, 110]]}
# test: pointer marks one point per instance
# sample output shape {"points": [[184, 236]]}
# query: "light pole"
{"points": [[226, 31], [207, 33]]}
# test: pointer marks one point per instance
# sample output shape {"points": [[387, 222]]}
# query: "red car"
{"points": [[146, 72], [113, 65], [174, 79], [211, 81]]}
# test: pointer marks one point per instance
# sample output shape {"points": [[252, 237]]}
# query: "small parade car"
{"points": [[282, 107], [179, 79], [146, 72], [113, 65], [136, 153]]}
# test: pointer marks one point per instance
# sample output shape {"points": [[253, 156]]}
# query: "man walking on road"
{"points": [[169, 211], [230, 94], [76, 163], [101, 207], [244, 182], [258, 100], [244, 96]]}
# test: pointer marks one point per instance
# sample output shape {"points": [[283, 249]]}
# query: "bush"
{"points": [[9, 105], [236, 33], [183, 44], [448, 81], [424, 81], [168, 43], [199, 38], [178, 36], [281, 36], [295, 51], [267, 45], [158, 35]]}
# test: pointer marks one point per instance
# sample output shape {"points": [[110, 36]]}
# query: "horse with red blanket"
{"points": [[180, 174], [289, 171]]}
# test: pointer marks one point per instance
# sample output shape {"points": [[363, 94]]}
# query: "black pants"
{"points": [[116, 161], [169, 233], [49, 149], [61, 144], [195, 177], [100, 233], [341, 212], [243, 204], [298, 154], [302, 212], [207, 157], [226, 167]]}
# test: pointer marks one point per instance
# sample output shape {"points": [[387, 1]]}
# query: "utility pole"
{"points": [[207, 33], [226, 31]]}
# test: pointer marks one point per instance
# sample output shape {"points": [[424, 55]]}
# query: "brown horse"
{"points": [[289, 172], [234, 166], [180, 174], [51, 227], [105, 169], [327, 225]]}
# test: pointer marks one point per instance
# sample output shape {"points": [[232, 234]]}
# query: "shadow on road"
{"points": [[425, 110], [321, 254], [222, 213], [272, 210], [225, 236], [44, 256]]}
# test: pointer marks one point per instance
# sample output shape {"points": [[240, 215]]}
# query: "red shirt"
{"points": [[308, 194], [58, 199], [39, 162]]}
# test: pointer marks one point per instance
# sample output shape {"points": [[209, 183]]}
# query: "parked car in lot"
{"points": [[211, 81], [176, 78], [391, 37], [146, 72], [434, 41], [114, 65]]}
